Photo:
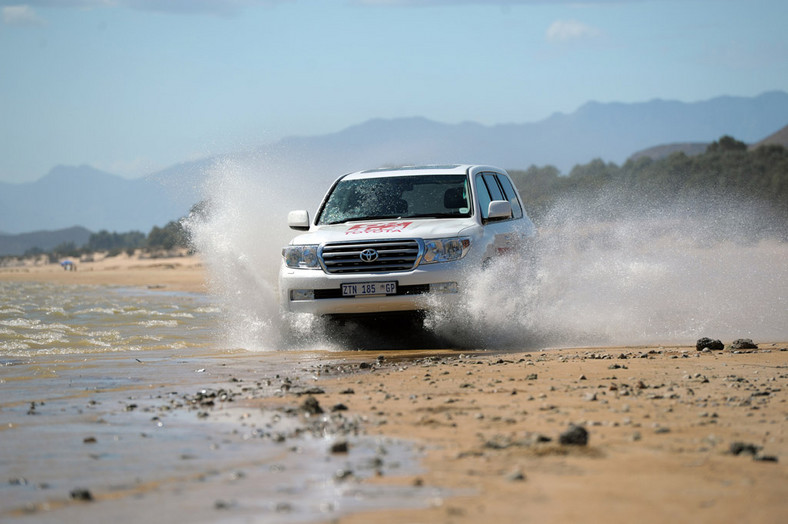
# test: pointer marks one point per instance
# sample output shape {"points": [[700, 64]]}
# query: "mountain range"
{"points": [[43, 240], [84, 196]]}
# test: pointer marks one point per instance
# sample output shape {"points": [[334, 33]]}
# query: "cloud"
{"points": [[21, 15], [220, 7], [562, 31]]}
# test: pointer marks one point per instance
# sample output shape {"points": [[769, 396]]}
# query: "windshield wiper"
{"points": [[361, 219], [435, 215]]}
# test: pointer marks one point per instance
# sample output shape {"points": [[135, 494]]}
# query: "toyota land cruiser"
{"points": [[383, 240]]}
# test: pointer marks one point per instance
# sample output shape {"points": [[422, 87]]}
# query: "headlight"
{"points": [[445, 249], [304, 257]]}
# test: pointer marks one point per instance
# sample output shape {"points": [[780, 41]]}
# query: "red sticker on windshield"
{"points": [[378, 227]]}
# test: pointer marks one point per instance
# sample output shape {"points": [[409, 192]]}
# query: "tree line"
{"points": [[728, 168], [171, 236]]}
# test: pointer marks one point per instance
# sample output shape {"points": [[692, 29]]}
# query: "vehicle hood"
{"points": [[385, 229]]}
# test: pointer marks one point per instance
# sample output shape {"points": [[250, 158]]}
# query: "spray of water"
{"points": [[609, 270], [617, 269]]}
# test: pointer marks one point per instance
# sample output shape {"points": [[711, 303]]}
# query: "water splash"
{"points": [[240, 236], [618, 270], [613, 269]]}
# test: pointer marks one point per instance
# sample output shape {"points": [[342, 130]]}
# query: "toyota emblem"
{"points": [[368, 255]]}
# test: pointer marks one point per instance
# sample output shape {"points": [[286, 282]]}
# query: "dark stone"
{"points": [[81, 494], [311, 391], [743, 343], [574, 436], [312, 406], [709, 343], [737, 448], [340, 447]]}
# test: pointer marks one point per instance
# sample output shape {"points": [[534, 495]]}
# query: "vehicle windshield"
{"points": [[436, 196]]}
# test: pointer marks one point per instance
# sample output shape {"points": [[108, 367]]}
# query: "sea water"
{"points": [[96, 384], [52, 319]]}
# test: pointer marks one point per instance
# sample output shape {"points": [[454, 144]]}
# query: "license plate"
{"points": [[361, 289]]}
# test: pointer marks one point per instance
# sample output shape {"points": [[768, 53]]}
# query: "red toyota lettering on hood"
{"points": [[378, 227]]}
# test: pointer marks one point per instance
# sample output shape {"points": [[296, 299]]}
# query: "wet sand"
{"points": [[673, 434], [482, 433]]}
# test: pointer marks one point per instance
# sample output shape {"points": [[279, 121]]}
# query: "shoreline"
{"points": [[181, 272]]}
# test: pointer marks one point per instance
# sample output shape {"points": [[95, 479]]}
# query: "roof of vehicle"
{"points": [[439, 169]]}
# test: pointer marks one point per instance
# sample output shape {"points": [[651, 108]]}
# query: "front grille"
{"points": [[392, 255]]}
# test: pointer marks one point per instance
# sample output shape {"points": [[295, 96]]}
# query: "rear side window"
{"points": [[484, 196], [511, 196], [492, 186]]}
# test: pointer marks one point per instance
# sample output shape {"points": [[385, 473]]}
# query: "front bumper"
{"points": [[413, 289]]}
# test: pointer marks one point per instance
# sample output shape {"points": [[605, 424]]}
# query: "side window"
{"points": [[492, 186], [483, 195], [494, 192], [511, 196]]}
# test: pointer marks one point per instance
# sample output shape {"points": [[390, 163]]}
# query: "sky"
{"points": [[134, 86]]}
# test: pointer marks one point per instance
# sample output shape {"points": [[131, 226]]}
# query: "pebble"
{"points": [[515, 476], [340, 447], [743, 343], [709, 343], [311, 406], [737, 448], [81, 494], [574, 436]]}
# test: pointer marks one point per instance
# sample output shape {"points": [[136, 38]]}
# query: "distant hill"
{"points": [[87, 197], [45, 240], [84, 196], [780, 138], [658, 152]]}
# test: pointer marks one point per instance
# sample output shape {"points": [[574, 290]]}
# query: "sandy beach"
{"points": [[173, 273], [614, 434]]}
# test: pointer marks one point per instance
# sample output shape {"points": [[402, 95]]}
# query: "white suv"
{"points": [[384, 240]]}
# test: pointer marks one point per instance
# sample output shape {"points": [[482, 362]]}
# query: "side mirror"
{"points": [[499, 209], [298, 220]]}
